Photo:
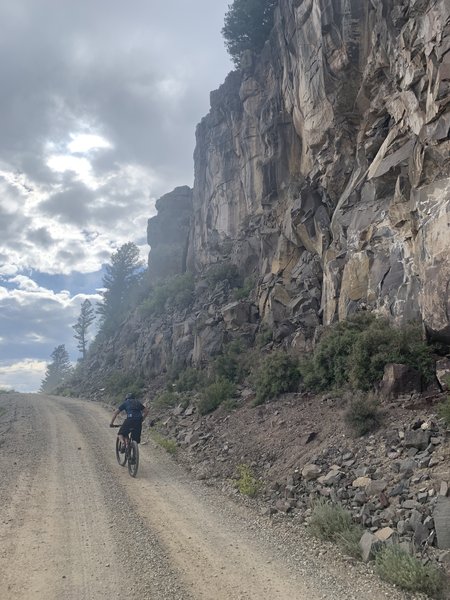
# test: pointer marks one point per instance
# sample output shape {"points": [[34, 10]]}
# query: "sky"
{"points": [[99, 100]]}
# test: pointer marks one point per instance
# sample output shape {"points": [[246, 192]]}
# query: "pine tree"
{"points": [[85, 320], [122, 275], [247, 26], [58, 371]]}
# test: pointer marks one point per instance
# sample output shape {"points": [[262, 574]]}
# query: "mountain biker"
{"points": [[136, 413]]}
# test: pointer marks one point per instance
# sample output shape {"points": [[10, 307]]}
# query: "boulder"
{"points": [[361, 482], [311, 472], [399, 379], [441, 518], [384, 534], [236, 314], [443, 372], [369, 545], [417, 438], [375, 487]]}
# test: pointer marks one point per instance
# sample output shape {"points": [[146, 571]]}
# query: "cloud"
{"points": [[34, 320], [98, 117], [23, 376]]}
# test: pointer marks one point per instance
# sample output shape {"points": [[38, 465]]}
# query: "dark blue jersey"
{"points": [[133, 408]]}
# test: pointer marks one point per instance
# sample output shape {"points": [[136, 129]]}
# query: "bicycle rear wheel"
{"points": [[121, 456], [133, 458]]}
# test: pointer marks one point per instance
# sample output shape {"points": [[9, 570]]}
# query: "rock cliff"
{"points": [[322, 171], [323, 165]]}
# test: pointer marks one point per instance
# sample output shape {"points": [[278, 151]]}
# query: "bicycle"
{"points": [[130, 455]]}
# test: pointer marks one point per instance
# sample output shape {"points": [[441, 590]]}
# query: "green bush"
{"points": [[166, 399], [242, 293], [223, 272], [279, 373], [230, 364], [264, 336], [118, 384], [214, 394], [190, 379], [363, 415], [330, 521], [175, 292], [400, 568], [169, 445], [246, 483], [356, 351]]}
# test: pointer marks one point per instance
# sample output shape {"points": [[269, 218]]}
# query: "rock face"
{"points": [[323, 165], [168, 233], [322, 171]]}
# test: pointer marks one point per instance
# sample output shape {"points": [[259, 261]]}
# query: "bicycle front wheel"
{"points": [[121, 456], [133, 458]]}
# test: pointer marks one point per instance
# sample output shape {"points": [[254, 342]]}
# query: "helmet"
{"points": [[129, 396]]}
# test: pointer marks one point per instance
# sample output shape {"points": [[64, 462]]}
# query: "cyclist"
{"points": [[136, 413]]}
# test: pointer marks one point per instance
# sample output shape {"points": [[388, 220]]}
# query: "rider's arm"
{"points": [[115, 416]]}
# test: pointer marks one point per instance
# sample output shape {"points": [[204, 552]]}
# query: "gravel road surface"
{"points": [[75, 526]]}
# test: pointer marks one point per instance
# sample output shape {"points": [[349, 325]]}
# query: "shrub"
{"points": [[230, 365], [278, 374], [175, 292], [189, 380], [244, 292], [356, 352], [165, 399], [169, 445], [223, 272], [247, 484], [247, 26], [363, 415], [330, 521], [214, 394], [118, 384], [400, 568], [264, 336]]}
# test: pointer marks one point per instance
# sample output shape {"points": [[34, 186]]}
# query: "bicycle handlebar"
{"points": [[114, 425]]}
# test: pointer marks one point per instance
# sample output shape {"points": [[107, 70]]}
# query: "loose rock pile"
{"points": [[395, 482], [395, 486]]}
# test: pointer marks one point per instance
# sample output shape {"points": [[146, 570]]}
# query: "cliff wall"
{"points": [[323, 166], [323, 171]]}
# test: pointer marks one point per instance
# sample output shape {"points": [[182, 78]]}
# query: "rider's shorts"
{"points": [[133, 425]]}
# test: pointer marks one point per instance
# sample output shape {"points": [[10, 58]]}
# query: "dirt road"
{"points": [[75, 526]]}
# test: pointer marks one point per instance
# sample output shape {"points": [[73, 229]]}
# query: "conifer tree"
{"points": [[85, 320], [247, 26], [58, 371], [122, 275]]}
